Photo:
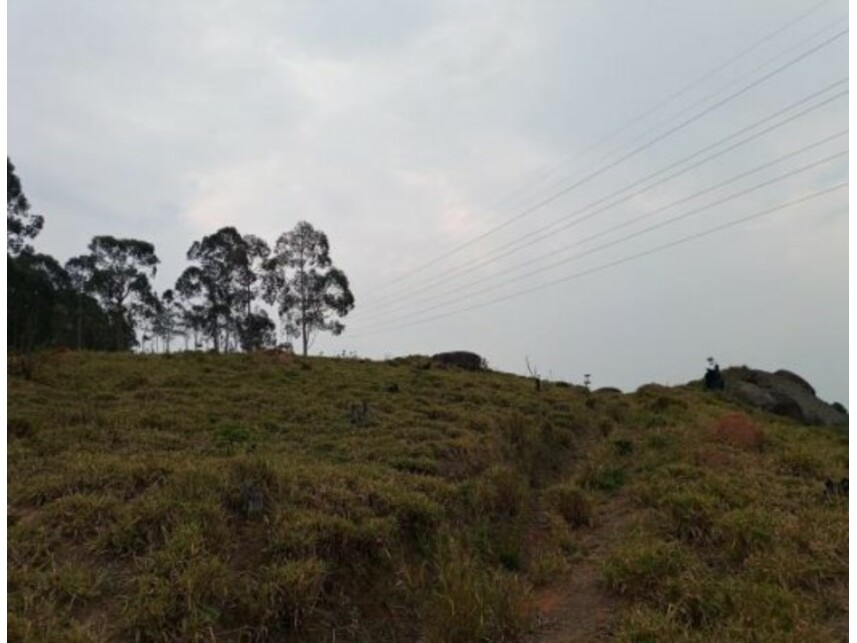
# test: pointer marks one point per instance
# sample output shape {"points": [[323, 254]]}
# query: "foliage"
{"points": [[117, 272], [21, 224], [45, 306], [309, 292], [43, 309], [104, 299], [167, 318], [221, 287]]}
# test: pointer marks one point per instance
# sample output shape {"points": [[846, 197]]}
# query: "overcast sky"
{"points": [[407, 130]]}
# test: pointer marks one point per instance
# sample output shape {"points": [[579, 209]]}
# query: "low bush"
{"points": [[640, 568], [19, 427], [690, 515], [602, 478], [570, 502], [738, 430], [468, 601]]}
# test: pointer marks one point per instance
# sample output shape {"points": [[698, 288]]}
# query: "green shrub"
{"points": [[282, 594], [502, 498], [252, 487], [691, 515], [469, 602], [800, 461], [623, 447], [743, 532], [640, 569], [699, 598], [502, 492], [646, 624], [659, 441], [19, 427], [230, 436], [602, 478], [417, 517], [570, 502], [77, 517], [521, 436], [183, 602]]}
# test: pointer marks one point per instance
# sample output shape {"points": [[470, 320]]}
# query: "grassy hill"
{"points": [[266, 497]]}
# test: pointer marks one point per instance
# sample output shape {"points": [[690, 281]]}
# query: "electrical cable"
{"points": [[518, 243], [617, 262], [690, 107], [652, 213], [631, 153]]}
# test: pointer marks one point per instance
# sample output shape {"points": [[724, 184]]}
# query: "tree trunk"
{"points": [[303, 304], [79, 315], [303, 330]]}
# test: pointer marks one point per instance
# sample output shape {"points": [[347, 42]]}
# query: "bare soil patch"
{"points": [[577, 607]]}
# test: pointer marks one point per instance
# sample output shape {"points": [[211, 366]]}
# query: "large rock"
{"points": [[462, 359], [796, 379], [782, 393]]}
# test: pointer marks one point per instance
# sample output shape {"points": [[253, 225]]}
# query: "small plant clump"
{"points": [[572, 503], [738, 430]]}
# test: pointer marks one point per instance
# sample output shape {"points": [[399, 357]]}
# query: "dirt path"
{"points": [[576, 608]]}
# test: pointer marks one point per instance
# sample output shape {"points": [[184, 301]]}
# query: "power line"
{"points": [[670, 221], [704, 99], [650, 214], [630, 154], [675, 95], [444, 275], [517, 244], [612, 264]]}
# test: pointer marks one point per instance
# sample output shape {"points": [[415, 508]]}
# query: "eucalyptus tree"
{"points": [[117, 272], [193, 321], [254, 327], [79, 269], [168, 319], [224, 284], [257, 330], [310, 294], [21, 224], [38, 293], [47, 304]]}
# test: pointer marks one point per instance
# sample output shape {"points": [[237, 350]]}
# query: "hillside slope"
{"points": [[266, 497]]}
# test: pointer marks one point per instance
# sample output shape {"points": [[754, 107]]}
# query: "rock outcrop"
{"points": [[462, 359], [782, 393]]}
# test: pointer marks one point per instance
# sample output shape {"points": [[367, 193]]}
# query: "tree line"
{"points": [[104, 299]]}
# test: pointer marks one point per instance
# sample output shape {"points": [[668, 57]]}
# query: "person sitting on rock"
{"points": [[713, 377]]}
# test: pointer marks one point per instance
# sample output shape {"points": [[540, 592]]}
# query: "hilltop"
{"points": [[269, 497]]}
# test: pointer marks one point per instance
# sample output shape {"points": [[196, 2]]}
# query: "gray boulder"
{"points": [[462, 359], [782, 393], [795, 379]]}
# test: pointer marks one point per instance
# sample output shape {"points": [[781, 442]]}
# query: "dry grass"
{"points": [[211, 497], [224, 498], [739, 431]]}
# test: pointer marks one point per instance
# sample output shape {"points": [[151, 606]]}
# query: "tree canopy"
{"points": [[104, 299], [224, 284], [21, 224], [309, 292], [117, 272]]}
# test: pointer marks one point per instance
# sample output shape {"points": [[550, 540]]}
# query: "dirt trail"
{"points": [[576, 608]]}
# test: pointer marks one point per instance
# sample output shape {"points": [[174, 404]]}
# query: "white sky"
{"points": [[404, 130]]}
